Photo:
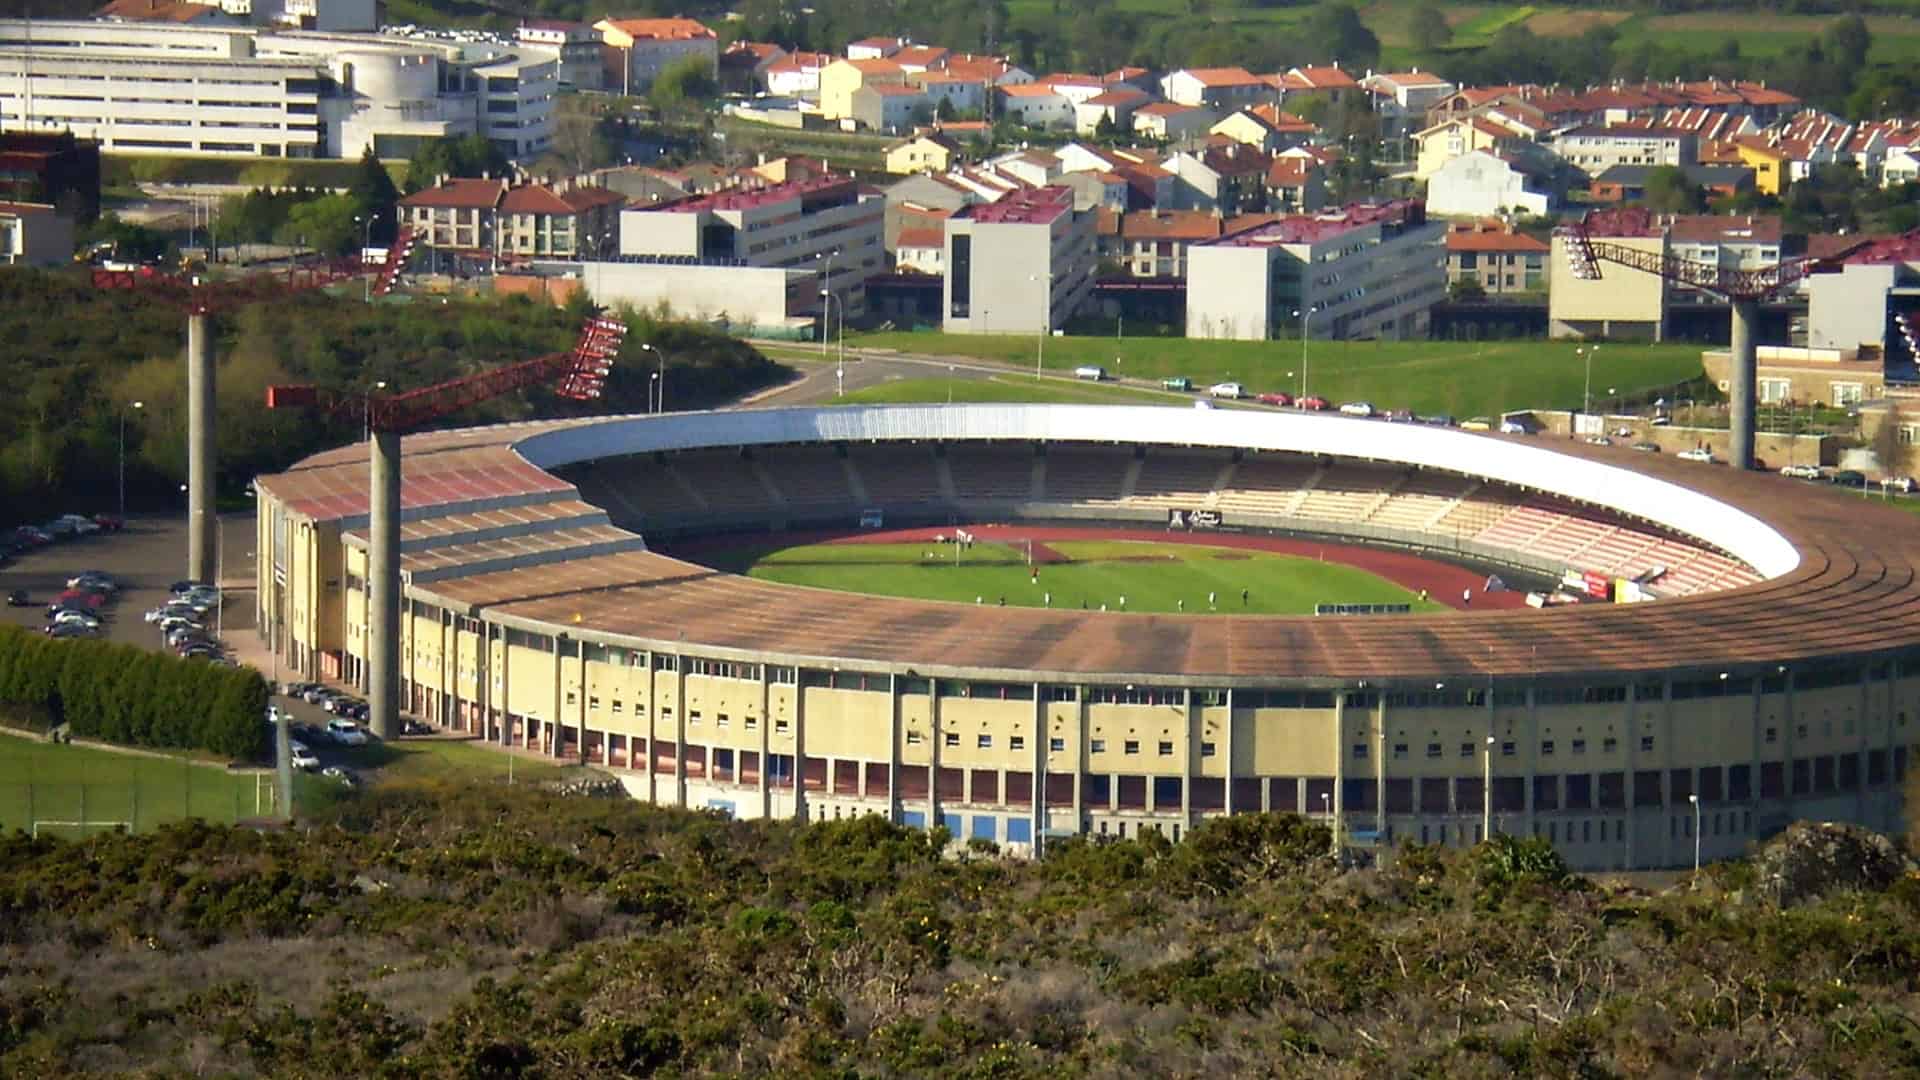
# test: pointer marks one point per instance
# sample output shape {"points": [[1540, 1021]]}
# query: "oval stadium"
{"points": [[1764, 672]]}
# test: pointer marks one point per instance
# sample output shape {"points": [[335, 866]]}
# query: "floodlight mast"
{"points": [[581, 373], [1593, 240]]}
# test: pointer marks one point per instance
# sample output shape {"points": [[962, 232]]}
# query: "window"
{"points": [[1466, 749], [693, 717], [1016, 742], [1399, 751], [751, 723], [1646, 744], [1508, 749], [1433, 749], [1579, 746], [953, 739], [1206, 749], [615, 705], [1773, 391], [1057, 745], [1131, 747], [719, 719], [1609, 745], [983, 742], [914, 738], [1166, 749], [1800, 731], [1847, 393], [1098, 746], [1546, 748], [780, 726], [1359, 751]]}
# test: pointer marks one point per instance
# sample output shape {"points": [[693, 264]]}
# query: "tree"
{"points": [[1669, 190], [689, 79], [326, 224], [580, 140], [469, 155], [1334, 30], [1427, 27], [1847, 42], [1889, 442], [373, 191]]}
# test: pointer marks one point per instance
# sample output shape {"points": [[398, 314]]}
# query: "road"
{"points": [[817, 382]]}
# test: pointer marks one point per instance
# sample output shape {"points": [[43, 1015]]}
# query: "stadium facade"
{"points": [[1770, 679]]}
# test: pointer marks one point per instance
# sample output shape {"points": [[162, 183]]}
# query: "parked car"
{"points": [[302, 758], [76, 617], [1647, 447], [335, 772], [1514, 427], [1850, 478], [1801, 472], [415, 727], [1436, 420], [298, 689], [110, 522], [346, 732], [97, 580], [1232, 390], [19, 598], [316, 694], [1697, 453], [179, 587], [1314, 404], [1902, 484], [1399, 416], [1275, 398], [69, 630], [1356, 408], [1478, 423], [1597, 440], [1177, 382]]}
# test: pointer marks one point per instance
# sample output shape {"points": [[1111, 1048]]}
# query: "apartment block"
{"points": [[34, 234], [1021, 265], [828, 225], [638, 50], [498, 219], [1369, 270]]}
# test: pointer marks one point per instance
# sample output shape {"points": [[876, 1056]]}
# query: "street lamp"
{"points": [[1046, 321], [840, 367], [949, 384], [1303, 314], [1486, 794], [826, 289], [659, 376], [366, 241], [1695, 800], [123, 458]]}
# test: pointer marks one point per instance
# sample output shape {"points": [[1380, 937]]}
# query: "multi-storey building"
{"points": [[1370, 270], [34, 234], [56, 169], [213, 90], [829, 225], [1220, 89], [640, 49], [1498, 262], [577, 47], [499, 219], [1023, 264], [1594, 150]]}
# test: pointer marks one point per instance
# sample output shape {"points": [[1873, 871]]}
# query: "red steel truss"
{"points": [[200, 294], [1591, 242]]}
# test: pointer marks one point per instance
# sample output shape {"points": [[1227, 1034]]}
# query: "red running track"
{"points": [[1444, 582]]}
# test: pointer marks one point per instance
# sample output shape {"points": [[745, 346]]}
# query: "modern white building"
{"points": [[1368, 270], [828, 226], [212, 90], [1022, 265], [1485, 183]]}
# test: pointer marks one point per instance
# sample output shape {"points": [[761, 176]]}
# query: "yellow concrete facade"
{"points": [[840, 79], [1769, 167], [1622, 302]]}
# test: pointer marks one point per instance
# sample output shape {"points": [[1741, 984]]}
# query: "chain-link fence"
{"points": [[72, 791]]}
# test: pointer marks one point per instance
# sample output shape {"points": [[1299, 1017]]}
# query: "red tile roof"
{"points": [[920, 238], [1494, 241], [661, 29], [460, 193], [1223, 76]]}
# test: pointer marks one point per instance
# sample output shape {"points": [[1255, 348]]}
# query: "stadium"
{"points": [[1765, 672]]}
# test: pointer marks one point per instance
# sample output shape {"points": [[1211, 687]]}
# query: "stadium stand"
{"points": [[1420, 499], [1347, 492], [1177, 478], [1268, 484], [723, 479], [1479, 508], [992, 474], [898, 474], [1087, 477], [807, 475]]}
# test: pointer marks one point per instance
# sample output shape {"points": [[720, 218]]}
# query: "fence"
{"points": [[75, 797]]}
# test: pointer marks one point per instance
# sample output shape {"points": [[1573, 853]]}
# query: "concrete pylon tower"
{"points": [[1740, 379], [201, 520], [383, 587]]}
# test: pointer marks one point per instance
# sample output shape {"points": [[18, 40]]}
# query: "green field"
{"points": [[1460, 378], [1153, 577], [47, 782], [1025, 388]]}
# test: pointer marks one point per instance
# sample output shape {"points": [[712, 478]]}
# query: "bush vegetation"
{"points": [[123, 694], [493, 931]]}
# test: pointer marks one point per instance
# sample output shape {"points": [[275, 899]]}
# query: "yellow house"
{"points": [[926, 152], [1769, 165], [1450, 139], [840, 79]]}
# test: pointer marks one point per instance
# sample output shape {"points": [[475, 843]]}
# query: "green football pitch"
{"points": [[1152, 577], [74, 790]]}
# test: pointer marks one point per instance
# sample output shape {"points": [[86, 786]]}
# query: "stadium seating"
{"points": [[1088, 477], [1267, 484], [634, 491], [1479, 508], [994, 474], [897, 475], [725, 481], [1419, 500], [1178, 478], [807, 475], [1347, 492]]}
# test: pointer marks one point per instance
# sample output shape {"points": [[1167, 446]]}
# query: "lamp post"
{"points": [[1333, 827], [1046, 321], [840, 366], [366, 241], [659, 377], [1486, 794], [1303, 314], [826, 290], [1695, 800], [123, 457], [949, 384]]}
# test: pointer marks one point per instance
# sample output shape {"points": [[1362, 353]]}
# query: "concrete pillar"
{"points": [[201, 552], [1740, 384], [383, 587]]}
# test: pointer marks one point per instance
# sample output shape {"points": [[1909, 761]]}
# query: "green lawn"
{"points": [[47, 782], [1153, 577], [1005, 388], [444, 759], [1457, 377]]}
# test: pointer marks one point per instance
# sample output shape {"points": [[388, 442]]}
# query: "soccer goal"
{"points": [[79, 830]]}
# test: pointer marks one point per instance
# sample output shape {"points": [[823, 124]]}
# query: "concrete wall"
{"points": [[744, 294], [1227, 294], [1849, 309], [1622, 302]]}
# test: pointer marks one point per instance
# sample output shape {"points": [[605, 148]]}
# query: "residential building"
{"points": [[1229, 179], [926, 151], [179, 12], [797, 74], [1075, 88], [1628, 183], [1871, 302], [1621, 303], [1770, 164], [501, 219], [1803, 376], [1097, 190], [1113, 107], [957, 93], [35, 234], [1498, 262], [329, 16], [921, 251], [1036, 105], [829, 225], [1295, 185], [1401, 99], [1170, 122], [1031, 168], [1492, 182], [57, 169], [841, 78], [888, 107], [1024, 264], [1266, 128], [1219, 89], [640, 49], [1137, 78], [1594, 150], [874, 48], [919, 59], [1458, 137], [1328, 83], [1370, 270], [576, 48], [1154, 243], [744, 64]]}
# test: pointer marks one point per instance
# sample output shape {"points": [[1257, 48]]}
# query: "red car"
{"points": [[109, 522], [1317, 404], [1280, 399]]}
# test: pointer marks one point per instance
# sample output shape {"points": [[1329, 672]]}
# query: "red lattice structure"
{"points": [[1588, 245], [202, 294]]}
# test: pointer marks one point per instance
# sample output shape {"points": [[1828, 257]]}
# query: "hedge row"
{"points": [[122, 694]]}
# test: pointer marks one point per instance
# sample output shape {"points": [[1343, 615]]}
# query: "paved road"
{"points": [[818, 379]]}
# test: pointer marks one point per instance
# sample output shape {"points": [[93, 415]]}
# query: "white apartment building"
{"points": [[1594, 150], [183, 89], [1363, 271], [827, 225], [1022, 265]]}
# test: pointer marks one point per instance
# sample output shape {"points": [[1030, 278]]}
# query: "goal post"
{"points": [[84, 826]]}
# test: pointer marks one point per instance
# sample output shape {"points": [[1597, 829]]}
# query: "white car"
{"points": [[82, 526], [1698, 453], [302, 758], [1231, 390], [77, 617], [1514, 427], [346, 732], [1902, 484], [1357, 408], [1801, 472]]}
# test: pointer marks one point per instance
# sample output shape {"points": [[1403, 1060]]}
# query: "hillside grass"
{"points": [[1151, 577], [1453, 377], [1004, 388]]}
